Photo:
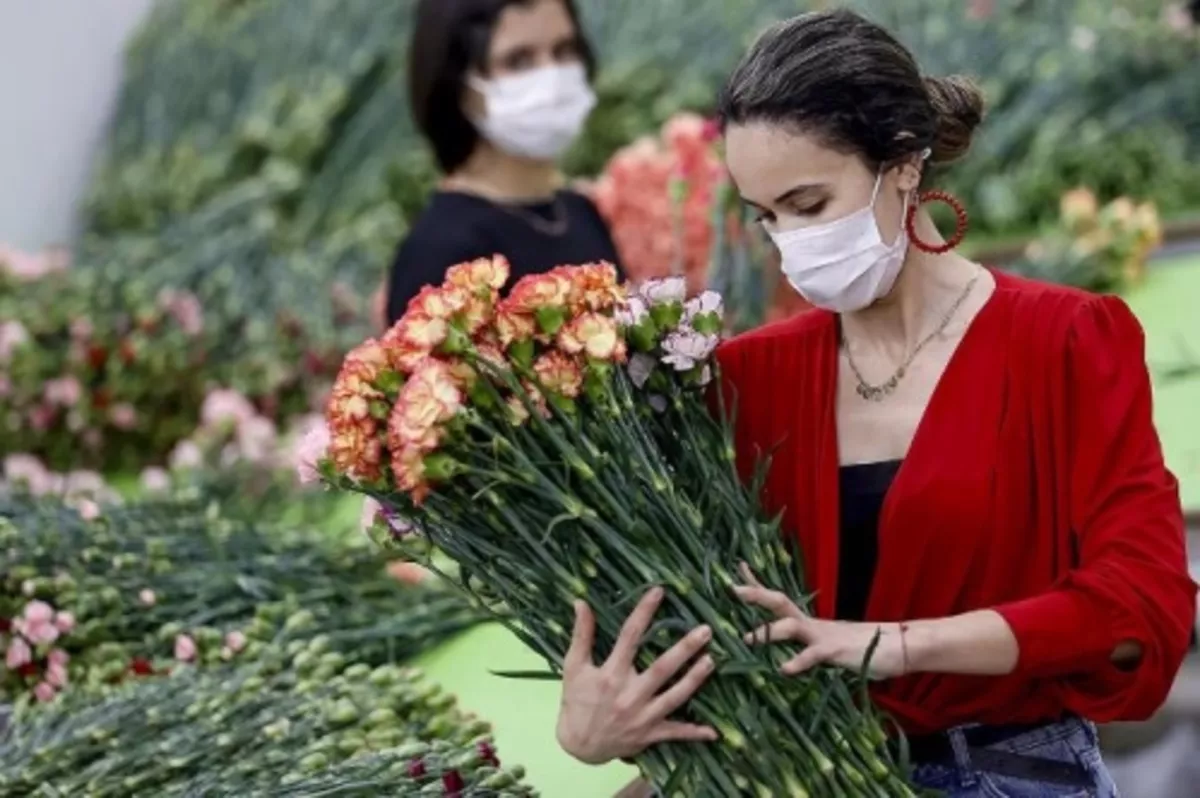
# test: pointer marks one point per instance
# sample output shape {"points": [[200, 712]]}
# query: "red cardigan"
{"points": [[1035, 486]]}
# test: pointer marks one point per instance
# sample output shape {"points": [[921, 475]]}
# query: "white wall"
{"points": [[60, 63]]}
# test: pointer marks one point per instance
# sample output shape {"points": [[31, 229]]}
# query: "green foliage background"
{"points": [[262, 154]]}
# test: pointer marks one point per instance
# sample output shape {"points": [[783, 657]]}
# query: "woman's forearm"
{"points": [[977, 643]]}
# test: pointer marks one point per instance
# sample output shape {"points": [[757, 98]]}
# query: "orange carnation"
{"points": [[537, 291], [430, 398], [422, 331], [480, 277], [439, 302], [513, 326], [408, 468], [594, 335], [596, 287], [559, 374], [356, 451]]}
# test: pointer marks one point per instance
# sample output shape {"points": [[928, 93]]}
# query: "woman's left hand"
{"points": [[839, 643]]}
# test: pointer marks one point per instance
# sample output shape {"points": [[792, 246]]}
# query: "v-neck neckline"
{"points": [[832, 440]]}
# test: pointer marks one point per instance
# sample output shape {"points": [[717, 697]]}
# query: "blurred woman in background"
{"points": [[500, 88]]}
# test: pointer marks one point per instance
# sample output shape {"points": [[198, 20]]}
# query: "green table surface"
{"points": [[523, 712], [1167, 304]]}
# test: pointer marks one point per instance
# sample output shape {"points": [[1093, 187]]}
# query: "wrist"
{"points": [[917, 646]]}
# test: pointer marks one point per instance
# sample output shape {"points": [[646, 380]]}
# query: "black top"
{"points": [[862, 491], [535, 237]]}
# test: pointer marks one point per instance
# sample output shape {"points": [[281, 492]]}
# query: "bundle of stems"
{"points": [[563, 468]]}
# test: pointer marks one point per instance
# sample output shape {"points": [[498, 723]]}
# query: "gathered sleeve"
{"points": [[1130, 579]]}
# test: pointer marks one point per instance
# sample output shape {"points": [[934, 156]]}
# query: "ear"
{"points": [[908, 173]]}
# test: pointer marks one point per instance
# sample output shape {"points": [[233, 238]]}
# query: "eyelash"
{"points": [[762, 217]]}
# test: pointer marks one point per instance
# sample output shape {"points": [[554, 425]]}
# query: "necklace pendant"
{"points": [[871, 393]]}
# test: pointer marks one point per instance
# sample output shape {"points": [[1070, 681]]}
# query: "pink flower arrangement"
{"points": [[658, 197], [29, 656]]}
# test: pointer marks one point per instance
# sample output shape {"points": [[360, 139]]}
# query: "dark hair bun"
{"points": [[959, 104]]}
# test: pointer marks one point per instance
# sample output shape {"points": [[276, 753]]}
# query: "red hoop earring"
{"points": [[961, 224]]}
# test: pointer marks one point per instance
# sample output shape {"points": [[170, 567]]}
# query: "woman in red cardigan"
{"points": [[968, 458]]}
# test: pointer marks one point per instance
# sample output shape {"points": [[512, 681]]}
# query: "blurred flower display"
{"points": [[670, 205], [1094, 246], [88, 383]]}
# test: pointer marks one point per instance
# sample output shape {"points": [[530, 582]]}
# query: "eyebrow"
{"points": [[792, 193]]}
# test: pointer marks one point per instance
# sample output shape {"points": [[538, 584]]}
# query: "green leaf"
{"points": [[538, 676]]}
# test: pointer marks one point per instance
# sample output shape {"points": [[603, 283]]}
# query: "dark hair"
{"points": [[450, 38], [849, 81]]}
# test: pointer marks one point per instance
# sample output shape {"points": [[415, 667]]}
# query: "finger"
{"points": [[678, 655], [673, 731], [583, 639], [778, 631], [679, 693], [806, 660], [635, 627], [771, 600], [748, 575]]}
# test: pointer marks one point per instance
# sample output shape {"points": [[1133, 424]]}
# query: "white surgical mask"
{"points": [[844, 265], [537, 113]]}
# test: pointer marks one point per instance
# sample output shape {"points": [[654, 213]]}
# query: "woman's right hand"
{"points": [[611, 711]]}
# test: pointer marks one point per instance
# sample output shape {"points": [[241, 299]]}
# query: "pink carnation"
{"points": [[63, 391], [313, 448], [185, 308], [38, 612], [185, 648], [186, 456], [44, 692], [56, 675], [123, 416], [18, 653], [235, 641], [58, 657], [88, 510], [12, 335], [155, 480], [27, 470], [65, 621], [223, 406], [256, 439]]}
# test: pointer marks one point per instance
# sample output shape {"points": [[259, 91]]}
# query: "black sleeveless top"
{"points": [[535, 237], [862, 491]]}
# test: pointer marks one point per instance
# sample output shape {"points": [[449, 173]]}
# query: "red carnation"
{"points": [[5, 626], [453, 783], [28, 670], [141, 667], [97, 356], [488, 754], [101, 399], [416, 768]]}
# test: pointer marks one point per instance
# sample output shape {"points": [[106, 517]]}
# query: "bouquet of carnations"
{"points": [[558, 444]]}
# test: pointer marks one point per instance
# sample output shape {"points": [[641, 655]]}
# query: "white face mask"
{"points": [[844, 265], [535, 114]]}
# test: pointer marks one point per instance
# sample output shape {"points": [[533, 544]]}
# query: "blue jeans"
{"points": [[1073, 741]]}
